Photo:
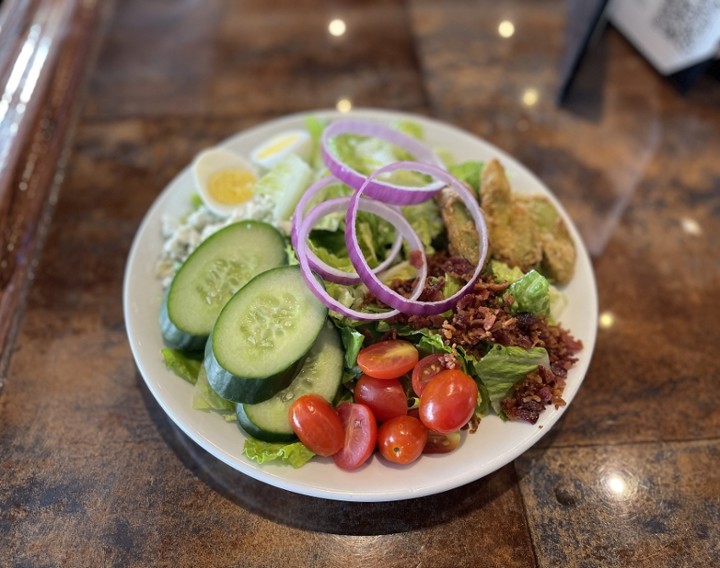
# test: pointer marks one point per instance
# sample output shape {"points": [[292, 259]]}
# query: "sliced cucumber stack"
{"points": [[262, 335], [217, 269], [321, 373]]}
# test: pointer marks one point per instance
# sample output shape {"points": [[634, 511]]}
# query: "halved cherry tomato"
{"points": [[438, 443], [385, 397], [360, 435], [402, 439], [426, 369], [388, 359], [317, 424], [448, 401]]}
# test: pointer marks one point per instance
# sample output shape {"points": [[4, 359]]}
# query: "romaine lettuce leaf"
{"points": [[557, 301], [469, 172], [284, 184], [353, 342], [409, 127], [315, 127], [530, 294], [294, 454], [503, 367], [185, 365], [205, 398], [501, 272], [426, 221], [367, 154]]}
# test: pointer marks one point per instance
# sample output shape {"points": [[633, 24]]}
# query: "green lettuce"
{"points": [[409, 127], [503, 367], [184, 364], [294, 454], [426, 221], [367, 154], [530, 294], [530, 291], [315, 127], [205, 398], [362, 154], [469, 172], [284, 184], [501, 272], [352, 341]]}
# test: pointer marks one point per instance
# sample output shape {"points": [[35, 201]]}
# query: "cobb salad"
{"points": [[348, 289]]}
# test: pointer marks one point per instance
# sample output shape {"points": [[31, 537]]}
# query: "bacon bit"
{"points": [[448, 361], [415, 259], [481, 319], [529, 398], [490, 319]]}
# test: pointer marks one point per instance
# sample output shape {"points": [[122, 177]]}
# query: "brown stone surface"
{"points": [[653, 504], [93, 473]]}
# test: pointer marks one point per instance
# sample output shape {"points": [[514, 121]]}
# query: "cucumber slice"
{"points": [[217, 269], [262, 335], [321, 374]]}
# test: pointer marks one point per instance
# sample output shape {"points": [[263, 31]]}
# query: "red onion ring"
{"points": [[325, 270], [316, 287], [384, 293], [382, 191], [340, 204], [309, 194]]}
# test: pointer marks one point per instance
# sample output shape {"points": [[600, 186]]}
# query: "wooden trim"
{"points": [[47, 49]]}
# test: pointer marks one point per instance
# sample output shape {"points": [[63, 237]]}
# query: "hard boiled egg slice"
{"points": [[272, 151], [224, 179]]}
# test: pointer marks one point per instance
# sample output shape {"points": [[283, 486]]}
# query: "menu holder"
{"points": [[680, 38], [585, 22]]}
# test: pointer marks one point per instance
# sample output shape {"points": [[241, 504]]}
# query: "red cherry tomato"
{"points": [[448, 401], [385, 397], [388, 359], [317, 424], [438, 443], [425, 370], [360, 435], [402, 439]]}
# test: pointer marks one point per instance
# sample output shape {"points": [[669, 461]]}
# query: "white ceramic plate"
{"points": [[495, 444]]}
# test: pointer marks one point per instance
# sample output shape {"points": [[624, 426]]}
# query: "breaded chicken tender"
{"points": [[525, 230]]}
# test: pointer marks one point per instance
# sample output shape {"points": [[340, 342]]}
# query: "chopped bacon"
{"points": [[529, 398], [481, 319]]}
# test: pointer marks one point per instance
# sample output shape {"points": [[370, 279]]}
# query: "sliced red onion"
{"points": [[382, 191], [316, 287], [309, 194], [325, 270], [340, 204], [384, 293]]}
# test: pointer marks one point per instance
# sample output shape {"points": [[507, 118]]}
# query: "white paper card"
{"points": [[671, 34]]}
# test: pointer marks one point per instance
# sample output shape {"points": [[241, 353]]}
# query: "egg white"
{"points": [[264, 157], [211, 161]]}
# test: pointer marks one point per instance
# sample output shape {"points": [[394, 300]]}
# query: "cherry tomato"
{"points": [[425, 370], [402, 439], [388, 359], [438, 443], [317, 424], [448, 401], [360, 435], [385, 397]]}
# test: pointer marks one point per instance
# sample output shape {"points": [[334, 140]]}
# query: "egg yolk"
{"points": [[231, 186], [276, 147]]}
